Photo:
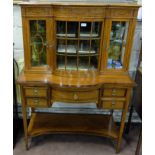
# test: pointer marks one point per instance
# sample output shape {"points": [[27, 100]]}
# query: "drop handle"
{"points": [[75, 96], [113, 92], [113, 103], [35, 90], [36, 101]]}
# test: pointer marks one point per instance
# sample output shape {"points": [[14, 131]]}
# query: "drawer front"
{"points": [[112, 92], [112, 104], [74, 96], [36, 91], [37, 102]]}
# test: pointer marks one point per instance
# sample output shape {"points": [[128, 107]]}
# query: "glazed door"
{"points": [[116, 45], [39, 45], [78, 45]]}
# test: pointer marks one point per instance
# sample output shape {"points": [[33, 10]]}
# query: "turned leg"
{"points": [[24, 112], [125, 109]]}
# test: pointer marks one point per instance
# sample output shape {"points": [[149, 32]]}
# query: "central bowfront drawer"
{"points": [[75, 96]]}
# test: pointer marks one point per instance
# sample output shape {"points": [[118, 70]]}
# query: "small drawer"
{"points": [[36, 91], [75, 96], [37, 102], [115, 92], [112, 104]]}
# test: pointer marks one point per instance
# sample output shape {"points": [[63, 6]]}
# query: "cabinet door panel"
{"points": [[117, 45], [78, 45], [38, 42]]}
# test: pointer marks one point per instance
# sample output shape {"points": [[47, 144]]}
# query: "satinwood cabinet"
{"points": [[76, 53]]}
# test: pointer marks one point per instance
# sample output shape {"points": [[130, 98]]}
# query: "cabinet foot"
{"points": [[27, 147], [26, 144], [117, 147]]}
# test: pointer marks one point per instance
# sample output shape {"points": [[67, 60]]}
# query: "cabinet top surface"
{"points": [[130, 3], [78, 81]]}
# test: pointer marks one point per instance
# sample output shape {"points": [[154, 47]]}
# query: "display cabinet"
{"points": [[76, 52]]}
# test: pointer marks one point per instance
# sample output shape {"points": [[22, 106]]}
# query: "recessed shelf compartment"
{"points": [[101, 125]]}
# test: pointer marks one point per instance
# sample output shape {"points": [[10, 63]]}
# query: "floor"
{"points": [[77, 144]]}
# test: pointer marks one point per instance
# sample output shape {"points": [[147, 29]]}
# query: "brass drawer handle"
{"points": [[35, 91], [36, 101], [113, 103], [113, 92], [75, 96]]}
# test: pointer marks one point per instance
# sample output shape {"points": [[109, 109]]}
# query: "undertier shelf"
{"points": [[101, 125]]}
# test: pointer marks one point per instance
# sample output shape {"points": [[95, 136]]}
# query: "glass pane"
{"points": [[60, 62], [38, 42], [83, 63], [61, 29], [85, 29], [90, 29], [71, 63], [72, 29], [93, 62], [116, 49], [96, 29], [71, 46], [61, 46], [95, 46], [84, 47]]}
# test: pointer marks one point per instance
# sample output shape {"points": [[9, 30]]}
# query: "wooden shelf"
{"points": [[102, 125]]}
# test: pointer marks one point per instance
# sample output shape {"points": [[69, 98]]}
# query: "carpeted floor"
{"points": [[77, 145]]}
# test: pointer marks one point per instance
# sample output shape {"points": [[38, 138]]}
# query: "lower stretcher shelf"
{"points": [[43, 123]]}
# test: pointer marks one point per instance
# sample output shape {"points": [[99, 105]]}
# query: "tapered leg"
{"points": [[24, 112], [32, 110], [125, 109], [139, 143]]}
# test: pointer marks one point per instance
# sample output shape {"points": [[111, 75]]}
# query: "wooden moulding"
{"points": [[101, 125], [41, 11], [120, 12], [78, 12]]}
